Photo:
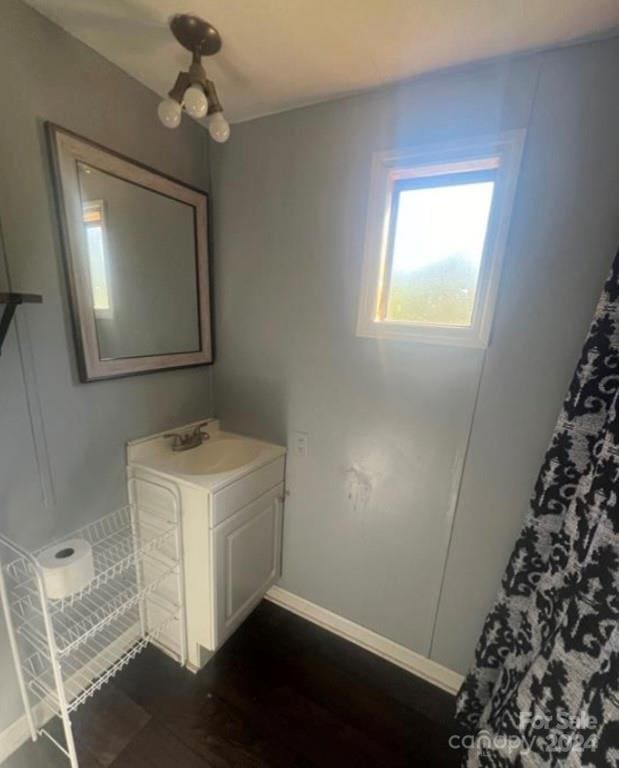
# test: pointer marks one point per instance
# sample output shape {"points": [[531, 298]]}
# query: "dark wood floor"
{"points": [[281, 693]]}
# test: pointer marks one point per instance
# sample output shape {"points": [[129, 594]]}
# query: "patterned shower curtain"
{"points": [[544, 689]]}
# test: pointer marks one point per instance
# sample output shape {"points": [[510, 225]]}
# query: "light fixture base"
{"points": [[195, 34]]}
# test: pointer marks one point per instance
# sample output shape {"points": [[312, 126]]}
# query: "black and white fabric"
{"points": [[544, 689]]}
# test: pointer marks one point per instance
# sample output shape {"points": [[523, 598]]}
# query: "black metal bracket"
{"points": [[11, 301]]}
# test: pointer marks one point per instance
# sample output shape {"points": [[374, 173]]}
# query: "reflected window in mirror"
{"points": [[94, 221]]}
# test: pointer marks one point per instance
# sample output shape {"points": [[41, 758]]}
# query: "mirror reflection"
{"points": [[141, 261]]}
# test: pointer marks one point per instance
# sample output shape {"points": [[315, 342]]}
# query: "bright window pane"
{"points": [[437, 248], [98, 277]]}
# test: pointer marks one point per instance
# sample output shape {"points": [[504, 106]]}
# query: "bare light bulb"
{"points": [[195, 102], [169, 112], [218, 127]]}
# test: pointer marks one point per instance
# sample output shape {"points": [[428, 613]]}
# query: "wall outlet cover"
{"points": [[300, 443]]}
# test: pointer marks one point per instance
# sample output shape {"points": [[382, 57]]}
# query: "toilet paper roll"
{"points": [[67, 567]]}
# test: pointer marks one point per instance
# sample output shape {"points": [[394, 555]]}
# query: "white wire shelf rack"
{"points": [[119, 546], [87, 668], [66, 649]]}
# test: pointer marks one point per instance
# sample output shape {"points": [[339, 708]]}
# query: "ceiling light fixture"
{"points": [[193, 91]]}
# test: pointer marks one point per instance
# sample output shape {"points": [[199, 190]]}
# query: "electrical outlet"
{"points": [[300, 441]]}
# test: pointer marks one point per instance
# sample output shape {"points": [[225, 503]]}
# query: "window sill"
{"points": [[423, 334]]}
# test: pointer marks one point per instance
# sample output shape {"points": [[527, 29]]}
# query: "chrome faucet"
{"points": [[190, 439]]}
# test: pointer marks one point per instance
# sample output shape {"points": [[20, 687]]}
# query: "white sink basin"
{"points": [[217, 462], [213, 457]]}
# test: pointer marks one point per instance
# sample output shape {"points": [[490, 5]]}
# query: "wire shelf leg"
{"points": [[180, 585], [70, 741], [178, 547], [16, 659], [57, 672], [139, 568]]}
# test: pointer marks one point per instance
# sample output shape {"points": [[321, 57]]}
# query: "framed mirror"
{"points": [[136, 252]]}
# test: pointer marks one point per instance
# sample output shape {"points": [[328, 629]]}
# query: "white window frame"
{"points": [[503, 153]]}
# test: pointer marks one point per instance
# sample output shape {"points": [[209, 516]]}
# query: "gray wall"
{"points": [[61, 442], [383, 525]]}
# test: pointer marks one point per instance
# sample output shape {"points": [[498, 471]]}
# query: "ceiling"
{"points": [[278, 54]]}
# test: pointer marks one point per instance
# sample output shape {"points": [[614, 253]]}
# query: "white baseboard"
{"points": [[421, 666], [13, 737]]}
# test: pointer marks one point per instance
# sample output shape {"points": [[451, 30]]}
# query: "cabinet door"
{"points": [[246, 560]]}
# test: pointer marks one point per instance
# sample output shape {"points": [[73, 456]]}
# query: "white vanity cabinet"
{"points": [[232, 530]]}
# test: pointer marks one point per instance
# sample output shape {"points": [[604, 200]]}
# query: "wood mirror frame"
{"points": [[67, 150]]}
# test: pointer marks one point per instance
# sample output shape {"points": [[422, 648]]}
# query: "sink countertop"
{"points": [[154, 453]]}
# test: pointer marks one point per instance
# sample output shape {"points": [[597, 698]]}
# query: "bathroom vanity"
{"points": [[231, 493]]}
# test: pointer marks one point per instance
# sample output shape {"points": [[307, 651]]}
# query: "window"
{"points": [[437, 226], [94, 222]]}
